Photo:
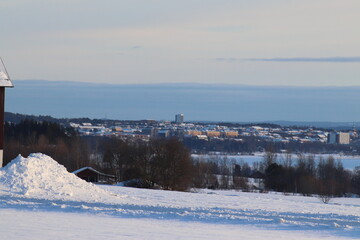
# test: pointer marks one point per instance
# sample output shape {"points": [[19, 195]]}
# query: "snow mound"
{"points": [[40, 176]]}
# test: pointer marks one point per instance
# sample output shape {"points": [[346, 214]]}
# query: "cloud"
{"points": [[296, 59], [229, 59], [307, 59]]}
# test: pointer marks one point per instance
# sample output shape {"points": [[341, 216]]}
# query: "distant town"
{"points": [[205, 137], [147, 129]]}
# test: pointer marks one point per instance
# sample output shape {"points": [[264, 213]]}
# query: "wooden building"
{"points": [[4, 83], [91, 175]]}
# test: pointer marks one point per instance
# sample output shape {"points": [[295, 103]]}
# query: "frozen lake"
{"points": [[349, 162]]}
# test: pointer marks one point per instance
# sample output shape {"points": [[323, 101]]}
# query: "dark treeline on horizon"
{"points": [[29, 136]]}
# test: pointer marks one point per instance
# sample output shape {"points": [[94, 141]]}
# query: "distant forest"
{"points": [[167, 163], [17, 118]]}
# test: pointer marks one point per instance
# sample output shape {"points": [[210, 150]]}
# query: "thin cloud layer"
{"points": [[306, 59], [297, 59]]}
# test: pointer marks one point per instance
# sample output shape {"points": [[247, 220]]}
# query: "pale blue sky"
{"points": [[265, 42]]}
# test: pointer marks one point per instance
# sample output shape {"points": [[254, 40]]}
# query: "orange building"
{"points": [[212, 133], [231, 134], [193, 132]]}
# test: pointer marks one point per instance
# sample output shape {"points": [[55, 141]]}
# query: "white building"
{"points": [[339, 138], [344, 138]]}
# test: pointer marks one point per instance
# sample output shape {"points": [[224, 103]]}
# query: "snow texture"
{"points": [[35, 191], [40, 225]]}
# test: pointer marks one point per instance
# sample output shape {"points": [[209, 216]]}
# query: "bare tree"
{"points": [[269, 156]]}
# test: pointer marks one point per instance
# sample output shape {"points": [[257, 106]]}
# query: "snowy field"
{"points": [[349, 162], [39, 199]]}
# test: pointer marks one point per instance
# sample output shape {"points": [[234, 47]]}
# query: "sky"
{"points": [[246, 42]]}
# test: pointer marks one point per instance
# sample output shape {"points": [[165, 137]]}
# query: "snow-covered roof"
{"points": [[83, 169], [4, 80], [91, 169]]}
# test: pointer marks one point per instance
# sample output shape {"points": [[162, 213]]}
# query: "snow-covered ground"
{"points": [[34, 204], [349, 162]]}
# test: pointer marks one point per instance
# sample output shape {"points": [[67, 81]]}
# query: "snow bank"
{"points": [[40, 176]]}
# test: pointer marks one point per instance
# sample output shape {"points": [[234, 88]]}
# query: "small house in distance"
{"points": [[91, 175]]}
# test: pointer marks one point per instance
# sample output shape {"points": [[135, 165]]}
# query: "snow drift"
{"points": [[40, 176]]}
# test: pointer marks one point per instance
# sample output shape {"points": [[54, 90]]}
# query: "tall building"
{"points": [[339, 138], [179, 118], [344, 138], [332, 138]]}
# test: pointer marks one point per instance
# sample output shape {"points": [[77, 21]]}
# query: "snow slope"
{"points": [[39, 225], [38, 197]]}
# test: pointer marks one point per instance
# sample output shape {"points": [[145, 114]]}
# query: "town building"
{"points": [[332, 138], [179, 118], [339, 138], [344, 138]]}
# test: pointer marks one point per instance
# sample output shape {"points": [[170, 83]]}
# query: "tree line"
{"points": [[309, 176], [163, 163], [61, 143], [167, 163]]}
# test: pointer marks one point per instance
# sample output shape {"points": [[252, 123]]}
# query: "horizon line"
{"points": [[183, 83], [198, 121]]}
